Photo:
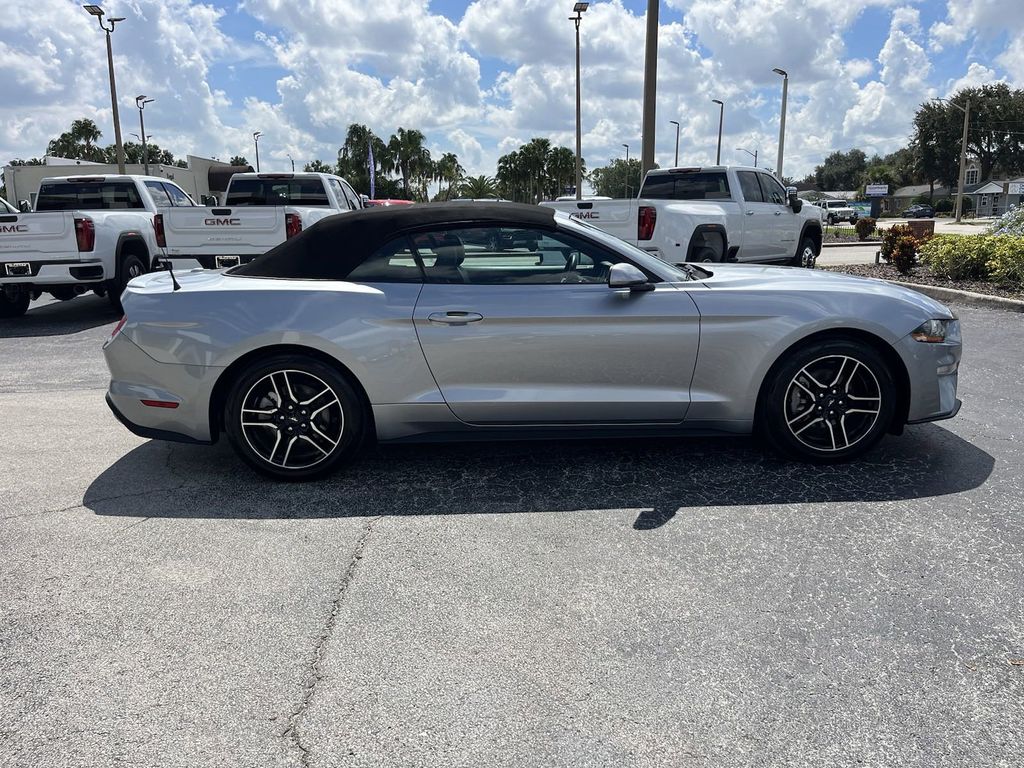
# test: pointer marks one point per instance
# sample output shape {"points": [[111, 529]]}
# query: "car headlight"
{"points": [[937, 332]]}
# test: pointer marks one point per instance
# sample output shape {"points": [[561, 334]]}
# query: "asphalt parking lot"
{"points": [[670, 603]]}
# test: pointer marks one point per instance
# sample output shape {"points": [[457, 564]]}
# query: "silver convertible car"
{"points": [[405, 324]]}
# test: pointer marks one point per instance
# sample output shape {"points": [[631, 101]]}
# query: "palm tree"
{"points": [[354, 156], [535, 159], [561, 171], [479, 187], [78, 143], [450, 172], [407, 155]]}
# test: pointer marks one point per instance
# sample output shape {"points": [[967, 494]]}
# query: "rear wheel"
{"points": [[14, 301], [293, 418], [707, 247], [828, 402], [131, 266]]}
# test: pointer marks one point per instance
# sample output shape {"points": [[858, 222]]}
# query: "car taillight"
{"points": [[646, 220], [158, 228], [118, 327], [292, 224], [85, 233]]}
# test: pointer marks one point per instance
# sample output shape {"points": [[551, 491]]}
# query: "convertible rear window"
{"points": [[712, 185]]}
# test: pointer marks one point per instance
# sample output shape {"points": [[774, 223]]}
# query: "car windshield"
{"points": [[308, 192], [88, 195], [643, 259]]}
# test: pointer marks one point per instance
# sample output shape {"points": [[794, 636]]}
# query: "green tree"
{"points": [[617, 179], [318, 166], [407, 156], [354, 157], [450, 173], [479, 187], [841, 170], [78, 143]]}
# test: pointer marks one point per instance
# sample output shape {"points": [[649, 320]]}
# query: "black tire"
{"points": [[131, 266], [15, 305], [299, 434], [702, 251], [831, 220], [827, 424], [807, 254], [63, 292]]}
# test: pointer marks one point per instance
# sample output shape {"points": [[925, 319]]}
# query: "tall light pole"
{"points": [[676, 124], [141, 102], [625, 184], [721, 119], [96, 11], [752, 154], [256, 140], [650, 88], [966, 109], [578, 9], [782, 121], [293, 162]]}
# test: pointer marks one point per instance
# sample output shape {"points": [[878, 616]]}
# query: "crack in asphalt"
{"points": [[314, 672]]}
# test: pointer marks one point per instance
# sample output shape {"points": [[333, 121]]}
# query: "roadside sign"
{"points": [[876, 190], [1016, 188]]}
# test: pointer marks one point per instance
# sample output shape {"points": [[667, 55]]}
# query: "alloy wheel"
{"points": [[832, 403], [292, 419]]}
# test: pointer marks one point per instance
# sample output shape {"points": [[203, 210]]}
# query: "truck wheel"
{"points": [[13, 302], [831, 220], [707, 247], [807, 254], [131, 267]]}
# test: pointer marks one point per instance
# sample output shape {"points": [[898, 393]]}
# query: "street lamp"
{"points": [[256, 140], [293, 162], [578, 9], [782, 122], [625, 183], [96, 11], [721, 118], [966, 109], [141, 102], [752, 154], [676, 124]]}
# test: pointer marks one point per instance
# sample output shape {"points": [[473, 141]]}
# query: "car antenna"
{"points": [[174, 280]]}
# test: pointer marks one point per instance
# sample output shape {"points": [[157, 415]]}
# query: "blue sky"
{"points": [[481, 77]]}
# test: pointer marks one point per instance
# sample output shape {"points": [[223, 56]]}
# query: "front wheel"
{"points": [[828, 402], [292, 417], [806, 255], [13, 301], [831, 220]]}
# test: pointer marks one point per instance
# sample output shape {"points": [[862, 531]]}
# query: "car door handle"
{"points": [[749, 213], [455, 317]]}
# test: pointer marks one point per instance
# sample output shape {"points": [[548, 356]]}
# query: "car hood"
{"points": [[745, 277]]}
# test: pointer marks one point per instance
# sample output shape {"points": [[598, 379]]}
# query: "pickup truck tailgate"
{"points": [[242, 230], [616, 217], [32, 235]]}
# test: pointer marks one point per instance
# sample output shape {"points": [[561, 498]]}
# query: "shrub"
{"points": [[1006, 262], [958, 257], [899, 248], [864, 227], [946, 205], [1010, 223]]}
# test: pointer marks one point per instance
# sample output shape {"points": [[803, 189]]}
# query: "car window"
{"points": [[339, 193], [177, 195], [713, 185], [88, 195], [510, 256], [160, 197], [771, 189], [749, 186], [393, 263], [350, 194], [277, 191]]}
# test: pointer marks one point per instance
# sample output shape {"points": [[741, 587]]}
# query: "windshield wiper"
{"points": [[693, 271]]}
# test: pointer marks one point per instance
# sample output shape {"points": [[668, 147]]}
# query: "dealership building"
{"points": [[204, 177]]}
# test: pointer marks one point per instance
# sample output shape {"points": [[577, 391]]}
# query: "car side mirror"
{"points": [[365, 199], [627, 276], [794, 202], [24, 206]]}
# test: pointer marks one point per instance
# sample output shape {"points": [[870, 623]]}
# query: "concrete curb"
{"points": [[965, 297], [858, 244]]}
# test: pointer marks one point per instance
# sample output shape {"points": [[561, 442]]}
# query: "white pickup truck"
{"points": [[719, 213], [87, 233], [260, 211]]}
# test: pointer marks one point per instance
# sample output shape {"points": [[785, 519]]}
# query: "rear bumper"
{"points": [[56, 272]]}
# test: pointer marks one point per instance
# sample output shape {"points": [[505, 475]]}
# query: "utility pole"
{"points": [[650, 88], [141, 102], [782, 121], [676, 124], [721, 119], [256, 140], [963, 161], [578, 9]]}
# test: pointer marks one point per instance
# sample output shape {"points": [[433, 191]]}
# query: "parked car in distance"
{"points": [[919, 211], [814, 207], [260, 211], [838, 210], [87, 233], [384, 324], [717, 213]]}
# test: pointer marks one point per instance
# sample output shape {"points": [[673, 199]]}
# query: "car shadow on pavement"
{"points": [[59, 318], [655, 477]]}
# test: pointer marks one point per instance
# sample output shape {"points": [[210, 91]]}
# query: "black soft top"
{"points": [[334, 246]]}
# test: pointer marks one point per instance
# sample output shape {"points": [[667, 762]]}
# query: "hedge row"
{"points": [[995, 258]]}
